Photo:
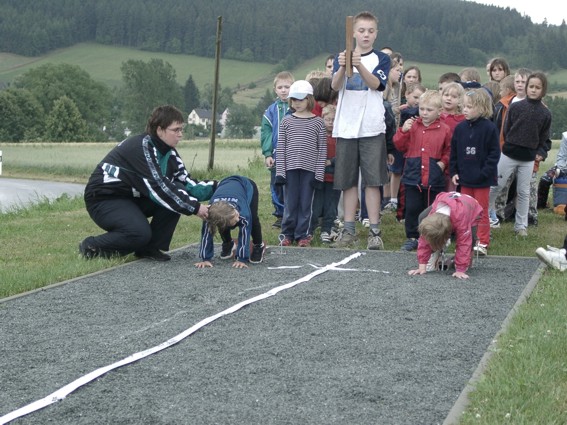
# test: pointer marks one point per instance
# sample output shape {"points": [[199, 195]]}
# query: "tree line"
{"points": [[434, 31], [63, 103]]}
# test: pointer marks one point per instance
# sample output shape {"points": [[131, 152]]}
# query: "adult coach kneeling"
{"points": [[143, 176]]}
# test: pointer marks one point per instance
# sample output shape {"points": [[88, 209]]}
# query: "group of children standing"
{"points": [[450, 140]]}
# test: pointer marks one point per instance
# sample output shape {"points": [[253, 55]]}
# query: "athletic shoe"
{"points": [[493, 219], [334, 234], [278, 223], [88, 251], [522, 233], [433, 263], [305, 242], [325, 237], [286, 242], [366, 222], [227, 250], [494, 222], [339, 224], [409, 245], [345, 240], [390, 207], [553, 257], [374, 241], [480, 249], [257, 254], [153, 254]]}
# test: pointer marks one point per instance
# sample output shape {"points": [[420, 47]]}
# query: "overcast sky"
{"points": [[538, 10]]}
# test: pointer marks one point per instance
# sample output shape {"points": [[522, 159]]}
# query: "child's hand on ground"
{"points": [[239, 265], [203, 264], [417, 272], [460, 275]]}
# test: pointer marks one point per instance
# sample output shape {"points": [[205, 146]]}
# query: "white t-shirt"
{"points": [[360, 110]]}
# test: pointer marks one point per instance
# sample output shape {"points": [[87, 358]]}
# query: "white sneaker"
{"points": [[390, 207], [325, 237], [554, 257], [480, 249], [366, 222]]}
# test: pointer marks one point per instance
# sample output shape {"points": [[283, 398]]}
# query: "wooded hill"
{"points": [[433, 31]]}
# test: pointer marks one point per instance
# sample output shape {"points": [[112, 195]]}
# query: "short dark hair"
{"points": [[450, 77], [162, 117]]}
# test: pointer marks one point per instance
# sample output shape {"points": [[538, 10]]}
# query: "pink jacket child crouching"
{"points": [[464, 214]]}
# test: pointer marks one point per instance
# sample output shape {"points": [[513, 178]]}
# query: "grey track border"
{"points": [[462, 402], [453, 418]]}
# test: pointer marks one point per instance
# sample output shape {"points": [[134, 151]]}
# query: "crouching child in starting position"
{"points": [[450, 214], [233, 204]]}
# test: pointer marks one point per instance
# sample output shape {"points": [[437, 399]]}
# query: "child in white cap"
{"points": [[301, 153]]}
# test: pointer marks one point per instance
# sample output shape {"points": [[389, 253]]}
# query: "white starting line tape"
{"points": [[63, 392], [339, 269]]}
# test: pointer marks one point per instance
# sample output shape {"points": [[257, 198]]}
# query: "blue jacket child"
{"points": [[233, 204]]}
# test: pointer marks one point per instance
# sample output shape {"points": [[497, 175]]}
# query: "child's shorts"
{"points": [[398, 166], [367, 154]]}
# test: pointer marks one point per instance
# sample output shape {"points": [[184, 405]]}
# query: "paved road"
{"points": [[16, 193]]}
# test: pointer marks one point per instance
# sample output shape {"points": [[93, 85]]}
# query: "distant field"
{"points": [[103, 64], [74, 161]]}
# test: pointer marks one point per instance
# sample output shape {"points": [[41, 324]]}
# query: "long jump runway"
{"points": [[310, 336]]}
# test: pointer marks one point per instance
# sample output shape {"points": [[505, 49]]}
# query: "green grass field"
{"points": [[526, 378], [103, 63]]}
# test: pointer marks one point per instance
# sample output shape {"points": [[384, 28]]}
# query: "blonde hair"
{"points": [[469, 74], [329, 109], [415, 86], [481, 100], [507, 83], [494, 87], [284, 75], [368, 16], [436, 229], [315, 74], [221, 214], [460, 92], [431, 97]]}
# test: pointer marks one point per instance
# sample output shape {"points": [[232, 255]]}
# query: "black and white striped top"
{"points": [[302, 144]]}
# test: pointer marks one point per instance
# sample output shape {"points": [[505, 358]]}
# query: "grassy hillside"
{"points": [[103, 64]]}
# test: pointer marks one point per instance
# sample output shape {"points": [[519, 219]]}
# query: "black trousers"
{"points": [[417, 200], [127, 227]]}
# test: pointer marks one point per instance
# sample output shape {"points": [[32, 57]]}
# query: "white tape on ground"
{"points": [[63, 392]]}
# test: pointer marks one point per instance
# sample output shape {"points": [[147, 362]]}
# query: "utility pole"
{"points": [[215, 95]]}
